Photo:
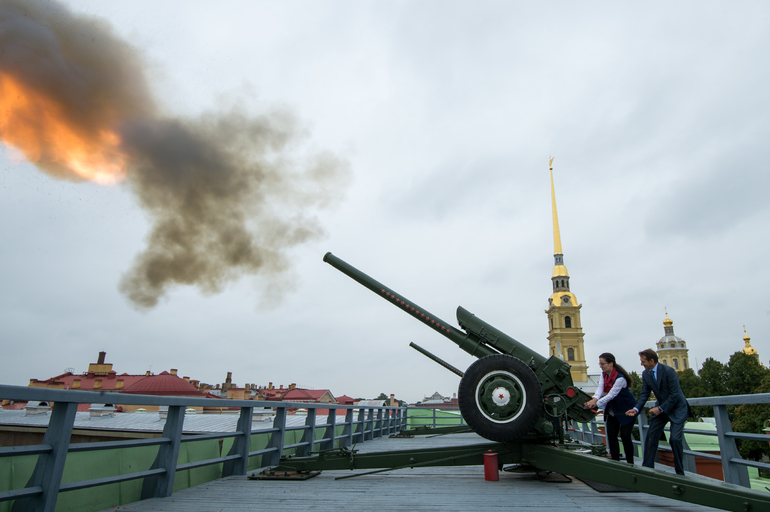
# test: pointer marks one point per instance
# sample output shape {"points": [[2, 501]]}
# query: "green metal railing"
{"points": [[42, 490], [434, 416], [734, 467]]}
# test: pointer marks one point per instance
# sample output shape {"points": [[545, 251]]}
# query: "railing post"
{"points": [[276, 438], [329, 431], [361, 426], [733, 473], [689, 460], [308, 436], [377, 427], [594, 431], [347, 430], [370, 435], [50, 466], [169, 453], [240, 445], [641, 420], [434, 418]]}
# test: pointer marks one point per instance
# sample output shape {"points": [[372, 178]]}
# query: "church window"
{"points": [[664, 362], [676, 364], [562, 283], [570, 354], [684, 361], [567, 322]]}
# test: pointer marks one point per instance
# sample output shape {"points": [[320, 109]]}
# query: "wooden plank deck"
{"points": [[448, 489]]}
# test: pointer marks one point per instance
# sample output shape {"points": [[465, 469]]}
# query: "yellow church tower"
{"points": [[672, 350], [565, 332], [748, 349]]}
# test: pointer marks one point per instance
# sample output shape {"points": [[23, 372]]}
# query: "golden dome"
{"points": [[668, 322], [560, 299], [559, 271], [748, 349]]}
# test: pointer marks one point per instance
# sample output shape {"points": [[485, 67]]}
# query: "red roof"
{"points": [[15, 406], [325, 412], [304, 395], [345, 400], [88, 380], [163, 384]]}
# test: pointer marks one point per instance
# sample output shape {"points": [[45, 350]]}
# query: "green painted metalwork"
{"points": [[433, 431], [436, 359], [481, 339], [701, 491]]}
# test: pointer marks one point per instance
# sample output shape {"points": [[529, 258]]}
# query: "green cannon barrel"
{"points": [[479, 329], [481, 339], [473, 346]]}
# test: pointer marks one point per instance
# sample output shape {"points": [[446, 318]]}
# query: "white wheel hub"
{"points": [[501, 396]]}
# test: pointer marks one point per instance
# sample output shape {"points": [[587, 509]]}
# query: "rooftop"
{"points": [[451, 489]]}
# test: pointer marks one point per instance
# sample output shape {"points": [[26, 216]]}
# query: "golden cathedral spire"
{"points": [[556, 235], [565, 334]]}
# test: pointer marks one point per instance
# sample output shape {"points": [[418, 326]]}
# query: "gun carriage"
{"points": [[511, 391], [520, 401]]}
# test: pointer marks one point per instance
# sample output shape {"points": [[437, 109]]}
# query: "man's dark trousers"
{"points": [[657, 424]]}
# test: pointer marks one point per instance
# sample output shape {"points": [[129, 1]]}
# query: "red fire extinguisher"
{"points": [[491, 471]]}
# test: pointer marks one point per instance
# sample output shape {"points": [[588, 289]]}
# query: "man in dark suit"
{"points": [[671, 405]]}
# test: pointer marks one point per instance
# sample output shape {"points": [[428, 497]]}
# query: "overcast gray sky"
{"points": [[440, 118]]}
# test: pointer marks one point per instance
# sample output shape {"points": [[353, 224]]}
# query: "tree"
{"points": [[752, 418], [713, 376], [743, 374], [636, 387], [690, 383], [383, 396]]}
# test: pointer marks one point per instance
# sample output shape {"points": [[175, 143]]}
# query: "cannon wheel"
{"points": [[500, 397]]}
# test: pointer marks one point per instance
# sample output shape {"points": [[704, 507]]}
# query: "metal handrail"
{"points": [[434, 420], [44, 486], [734, 467]]}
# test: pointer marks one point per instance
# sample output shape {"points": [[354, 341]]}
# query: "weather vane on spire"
{"points": [[550, 162]]}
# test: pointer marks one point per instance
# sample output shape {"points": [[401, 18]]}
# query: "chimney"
{"points": [[281, 386], [118, 384], [269, 385], [147, 373], [101, 357], [172, 371], [187, 379], [293, 385], [76, 384]]}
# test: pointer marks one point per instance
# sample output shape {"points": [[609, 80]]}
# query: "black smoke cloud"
{"points": [[229, 193]]}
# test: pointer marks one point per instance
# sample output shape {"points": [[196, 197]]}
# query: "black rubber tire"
{"points": [[481, 417]]}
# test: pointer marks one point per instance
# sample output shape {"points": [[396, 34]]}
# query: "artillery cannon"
{"points": [[517, 399], [511, 391]]}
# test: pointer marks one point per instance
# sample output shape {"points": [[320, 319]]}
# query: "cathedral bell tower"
{"points": [[565, 332]]}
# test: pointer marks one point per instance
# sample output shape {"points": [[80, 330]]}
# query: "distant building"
{"points": [[438, 399], [565, 331], [748, 349], [672, 350], [295, 394], [163, 384], [346, 400], [99, 377]]}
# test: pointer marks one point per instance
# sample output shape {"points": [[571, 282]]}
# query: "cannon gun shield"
{"points": [[500, 398]]}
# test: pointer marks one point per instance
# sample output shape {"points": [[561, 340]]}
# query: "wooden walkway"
{"points": [[451, 489]]}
